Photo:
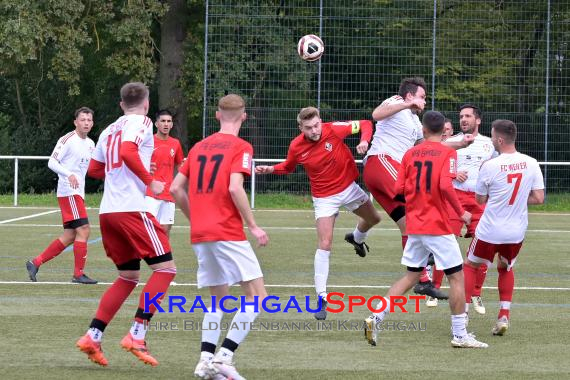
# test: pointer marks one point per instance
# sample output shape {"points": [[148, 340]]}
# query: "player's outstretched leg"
{"points": [[361, 248], [32, 270]]}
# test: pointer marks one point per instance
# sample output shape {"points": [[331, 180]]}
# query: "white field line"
{"points": [[268, 228], [28, 216], [298, 286], [255, 210]]}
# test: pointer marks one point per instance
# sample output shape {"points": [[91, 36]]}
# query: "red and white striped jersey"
{"points": [[471, 158], [73, 154], [124, 191], [507, 180], [397, 133]]}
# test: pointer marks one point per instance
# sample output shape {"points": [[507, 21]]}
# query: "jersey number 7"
{"points": [[516, 178]]}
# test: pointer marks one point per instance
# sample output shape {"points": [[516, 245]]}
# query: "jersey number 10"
{"points": [[114, 159]]}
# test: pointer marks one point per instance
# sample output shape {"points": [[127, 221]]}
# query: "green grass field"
{"points": [[41, 321]]}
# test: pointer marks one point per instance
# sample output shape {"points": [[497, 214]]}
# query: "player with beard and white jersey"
{"points": [[469, 160], [508, 184]]}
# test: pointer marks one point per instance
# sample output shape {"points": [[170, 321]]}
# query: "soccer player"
{"points": [[122, 157], [508, 184], [320, 148], [70, 160], [167, 156], [209, 191], [424, 181], [469, 161], [398, 128], [447, 130]]}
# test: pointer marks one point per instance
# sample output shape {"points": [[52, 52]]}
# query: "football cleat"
{"points": [[478, 304], [138, 348], [426, 288], [321, 315], [361, 248], [501, 326], [92, 349], [32, 270], [370, 332], [468, 341], [221, 366], [202, 370], [431, 301], [83, 279]]}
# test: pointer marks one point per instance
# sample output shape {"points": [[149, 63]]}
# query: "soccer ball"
{"points": [[310, 47]]}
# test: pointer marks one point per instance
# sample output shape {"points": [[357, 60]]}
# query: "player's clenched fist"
{"points": [[264, 169]]}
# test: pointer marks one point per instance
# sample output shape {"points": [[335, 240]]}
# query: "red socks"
{"points": [[113, 299], [480, 279], [470, 274], [80, 256], [158, 282], [54, 249], [437, 277], [506, 287]]}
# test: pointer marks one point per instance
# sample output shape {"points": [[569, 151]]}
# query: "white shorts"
{"points": [[445, 249], [225, 263], [351, 198], [162, 210]]}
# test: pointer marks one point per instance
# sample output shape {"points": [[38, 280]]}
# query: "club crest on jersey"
{"points": [[171, 152], [328, 146]]}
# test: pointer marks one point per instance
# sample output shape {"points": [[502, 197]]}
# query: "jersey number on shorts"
{"points": [[114, 159], [217, 159], [516, 178], [429, 166]]}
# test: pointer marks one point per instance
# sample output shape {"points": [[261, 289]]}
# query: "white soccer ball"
{"points": [[310, 47]]}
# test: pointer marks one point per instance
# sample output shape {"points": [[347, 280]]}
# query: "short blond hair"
{"points": [[307, 113], [133, 94], [231, 102]]}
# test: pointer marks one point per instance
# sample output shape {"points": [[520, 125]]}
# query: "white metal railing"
{"points": [[252, 187]]}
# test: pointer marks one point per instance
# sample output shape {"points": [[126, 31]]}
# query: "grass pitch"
{"points": [[41, 321]]}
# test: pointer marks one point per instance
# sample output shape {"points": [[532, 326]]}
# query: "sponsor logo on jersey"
{"points": [[245, 161]]}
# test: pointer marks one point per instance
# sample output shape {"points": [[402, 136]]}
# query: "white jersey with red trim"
{"points": [[471, 158], [73, 154], [397, 133], [507, 180], [124, 191]]}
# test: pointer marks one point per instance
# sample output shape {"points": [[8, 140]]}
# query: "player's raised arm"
{"points": [[468, 139], [281, 168], [387, 109], [239, 197], [346, 128]]}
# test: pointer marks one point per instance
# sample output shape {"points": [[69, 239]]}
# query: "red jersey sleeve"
{"points": [[345, 128], [448, 172], [96, 169], [131, 158], [241, 162], [179, 155], [290, 162], [185, 168]]}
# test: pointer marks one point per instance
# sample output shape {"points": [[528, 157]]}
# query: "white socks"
{"points": [[211, 326], [95, 334], [359, 237], [138, 330], [241, 324], [322, 259], [458, 325]]}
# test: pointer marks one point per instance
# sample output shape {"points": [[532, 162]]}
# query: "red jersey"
{"points": [[167, 154], [213, 215], [328, 162], [425, 179]]}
